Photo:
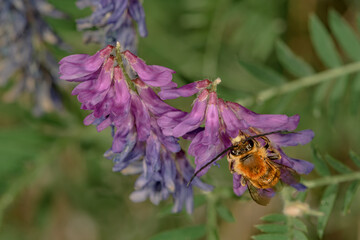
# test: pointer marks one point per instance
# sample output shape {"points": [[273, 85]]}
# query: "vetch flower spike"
{"points": [[122, 98], [115, 22]]}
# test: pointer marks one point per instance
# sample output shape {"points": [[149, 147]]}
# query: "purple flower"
{"points": [[153, 75], [223, 121], [29, 62], [114, 20], [132, 109]]}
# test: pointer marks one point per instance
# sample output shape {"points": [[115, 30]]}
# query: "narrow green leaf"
{"points": [[225, 213], [337, 93], [299, 224], [188, 233], [298, 235], [320, 165], [355, 158], [337, 165], [292, 63], [271, 236], [355, 93], [262, 73], [345, 35], [326, 206], [323, 44], [318, 96], [276, 217], [349, 196], [272, 228]]}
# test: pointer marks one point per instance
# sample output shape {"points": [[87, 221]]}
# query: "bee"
{"points": [[253, 157]]}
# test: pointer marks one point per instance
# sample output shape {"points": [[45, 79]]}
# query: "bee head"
{"points": [[243, 147]]}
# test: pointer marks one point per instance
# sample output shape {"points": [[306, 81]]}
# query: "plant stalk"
{"points": [[330, 180], [331, 74]]}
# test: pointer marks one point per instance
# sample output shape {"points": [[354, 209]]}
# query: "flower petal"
{"points": [[141, 116], [292, 139], [237, 187], [184, 91], [136, 11], [300, 166], [153, 75], [267, 122], [232, 123], [212, 125], [194, 119]]}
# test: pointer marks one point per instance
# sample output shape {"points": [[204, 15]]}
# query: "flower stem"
{"points": [[211, 224], [329, 180], [121, 65], [214, 37], [331, 74]]}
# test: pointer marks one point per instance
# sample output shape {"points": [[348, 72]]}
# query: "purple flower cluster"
{"points": [[23, 53], [132, 109], [115, 22], [222, 122], [145, 129]]}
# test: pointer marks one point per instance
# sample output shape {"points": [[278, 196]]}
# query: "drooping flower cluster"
{"points": [[132, 109], [115, 22], [223, 121], [23, 53]]}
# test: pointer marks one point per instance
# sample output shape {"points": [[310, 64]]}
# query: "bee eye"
{"points": [[235, 152], [250, 145]]}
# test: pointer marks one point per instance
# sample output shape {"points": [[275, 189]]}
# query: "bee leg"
{"points": [[274, 154], [243, 181], [231, 167], [266, 140]]}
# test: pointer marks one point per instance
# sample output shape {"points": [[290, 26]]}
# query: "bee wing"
{"points": [[290, 177], [260, 196]]}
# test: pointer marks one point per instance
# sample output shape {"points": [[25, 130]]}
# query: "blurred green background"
{"points": [[55, 182]]}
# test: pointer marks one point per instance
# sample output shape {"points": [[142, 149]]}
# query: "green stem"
{"points": [[330, 180], [331, 74], [213, 40], [121, 65], [211, 224]]}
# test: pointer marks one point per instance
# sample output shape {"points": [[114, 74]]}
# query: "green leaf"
{"points": [[349, 196], [262, 73], [225, 213], [276, 217], [326, 206], [345, 35], [320, 94], [337, 93], [188, 233], [271, 236], [292, 63], [324, 46], [298, 235], [320, 165], [355, 93], [272, 228], [299, 224], [337, 165], [355, 158]]}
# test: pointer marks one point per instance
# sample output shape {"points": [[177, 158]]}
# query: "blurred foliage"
{"points": [[55, 184]]}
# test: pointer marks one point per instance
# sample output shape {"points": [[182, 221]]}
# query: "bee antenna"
{"points": [[268, 133], [207, 164]]}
